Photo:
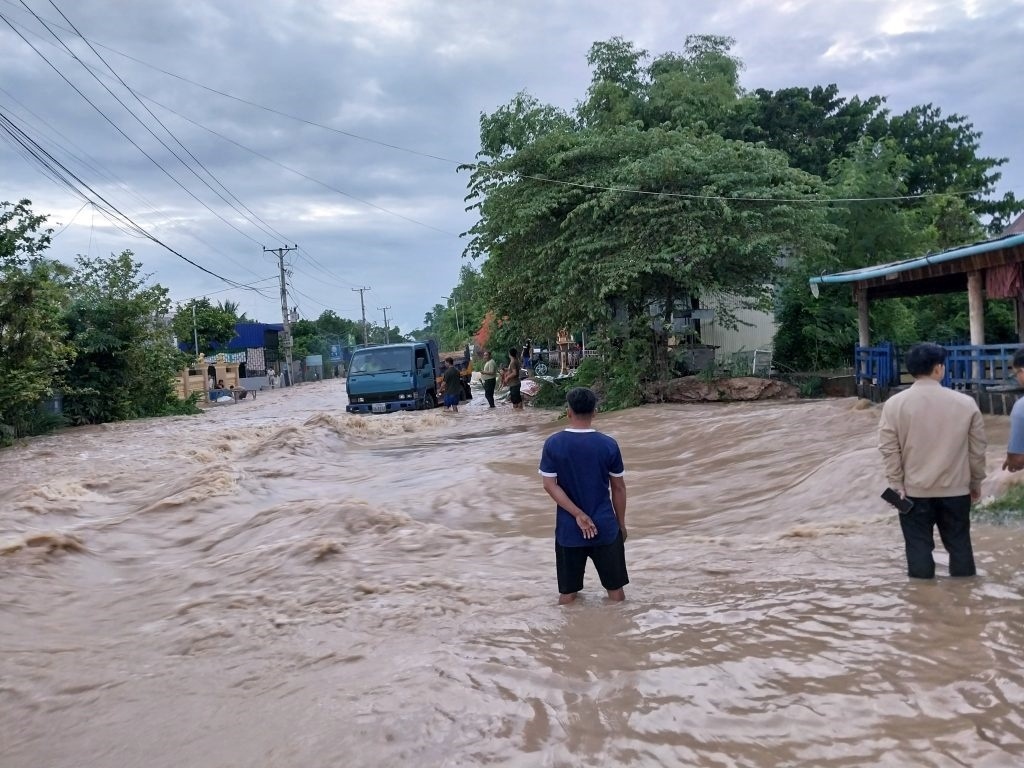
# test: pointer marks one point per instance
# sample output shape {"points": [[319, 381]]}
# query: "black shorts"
{"points": [[515, 394], [609, 559]]}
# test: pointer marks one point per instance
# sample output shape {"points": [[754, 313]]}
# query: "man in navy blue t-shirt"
{"points": [[578, 465]]}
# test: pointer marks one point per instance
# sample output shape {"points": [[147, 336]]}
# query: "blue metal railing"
{"points": [[877, 365], [967, 366], [973, 366]]}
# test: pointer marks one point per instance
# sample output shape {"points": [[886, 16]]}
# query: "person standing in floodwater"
{"points": [[578, 465], [452, 380], [932, 441], [1014, 461], [489, 376], [513, 380]]}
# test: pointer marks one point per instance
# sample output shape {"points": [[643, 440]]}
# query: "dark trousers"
{"points": [[952, 515], [489, 390]]}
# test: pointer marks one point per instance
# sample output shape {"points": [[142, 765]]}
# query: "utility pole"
{"points": [[362, 305], [286, 341], [195, 331], [387, 328]]}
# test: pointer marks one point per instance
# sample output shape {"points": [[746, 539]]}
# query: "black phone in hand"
{"points": [[904, 505]]}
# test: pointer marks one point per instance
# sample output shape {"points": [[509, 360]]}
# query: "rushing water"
{"points": [[277, 583]]}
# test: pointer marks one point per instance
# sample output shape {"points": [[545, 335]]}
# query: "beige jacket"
{"points": [[932, 440]]}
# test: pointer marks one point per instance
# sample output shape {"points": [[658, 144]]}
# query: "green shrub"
{"points": [[1005, 510]]}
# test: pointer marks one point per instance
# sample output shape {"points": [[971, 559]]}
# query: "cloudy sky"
{"points": [[414, 74]]}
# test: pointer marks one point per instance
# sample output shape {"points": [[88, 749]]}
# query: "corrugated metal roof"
{"points": [[251, 335], [881, 270], [247, 336]]}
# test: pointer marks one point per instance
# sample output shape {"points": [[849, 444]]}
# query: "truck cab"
{"points": [[393, 377]]}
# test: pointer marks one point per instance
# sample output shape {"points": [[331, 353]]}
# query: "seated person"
{"points": [[240, 392]]}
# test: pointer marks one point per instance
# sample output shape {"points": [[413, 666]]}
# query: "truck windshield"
{"points": [[381, 360]]}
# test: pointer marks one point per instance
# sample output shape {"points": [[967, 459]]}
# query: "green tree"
{"points": [[231, 308], [125, 360], [813, 126], [214, 325], [943, 154], [33, 352]]}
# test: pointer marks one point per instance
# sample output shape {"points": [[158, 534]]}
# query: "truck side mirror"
{"points": [[420, 363]]}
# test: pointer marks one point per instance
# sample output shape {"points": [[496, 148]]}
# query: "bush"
{"points": [[1005, 510]]}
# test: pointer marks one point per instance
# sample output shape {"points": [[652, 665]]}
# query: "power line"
{"points": [[70, 180], [91, 163], [116, 127], [265, 228], [297, 172], [542, 179]]}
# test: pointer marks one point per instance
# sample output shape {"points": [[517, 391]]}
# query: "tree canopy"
{"points": [[669, 181]]}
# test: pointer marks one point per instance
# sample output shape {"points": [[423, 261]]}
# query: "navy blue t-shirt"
{"points": [[583, 460]]}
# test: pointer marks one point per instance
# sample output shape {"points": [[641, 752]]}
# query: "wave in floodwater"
{"points": [[278, 583]]}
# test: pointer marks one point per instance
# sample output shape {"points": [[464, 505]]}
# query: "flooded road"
{"points": [[280, 584]]}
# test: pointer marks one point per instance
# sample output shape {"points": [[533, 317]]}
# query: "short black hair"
{"points": [[1018, 358], [922, 358], [513, 352], [581, 400], [449, 361]]}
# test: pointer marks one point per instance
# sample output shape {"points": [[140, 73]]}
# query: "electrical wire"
{"points": [[72, 221], [116, 127], [260, 223], [95, 166], [76, 185], [542, 179]]}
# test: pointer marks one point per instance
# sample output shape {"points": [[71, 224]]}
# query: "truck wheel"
{"points": [[428, 402]]}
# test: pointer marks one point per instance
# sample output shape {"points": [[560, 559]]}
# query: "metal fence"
{"points": [[967, 366]]}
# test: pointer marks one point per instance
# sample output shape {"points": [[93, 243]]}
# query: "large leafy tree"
{"points": [[125, 359], [943, 154], [814, 127], [598, 223], [33, 351], [213, 325]]}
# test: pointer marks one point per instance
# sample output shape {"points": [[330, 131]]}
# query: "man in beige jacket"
{"points": [[932, 440]]}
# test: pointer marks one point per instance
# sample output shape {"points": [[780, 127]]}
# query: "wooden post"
{"points": [[976, 310], [976, 307], [863, 318]]}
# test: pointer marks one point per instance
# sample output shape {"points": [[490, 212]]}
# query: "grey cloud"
{"points": [[419, 78]]}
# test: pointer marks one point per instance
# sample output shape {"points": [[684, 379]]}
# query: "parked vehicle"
{"points": [[393, 377]]}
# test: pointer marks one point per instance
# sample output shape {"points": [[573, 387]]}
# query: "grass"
{"points": [[1006, 510]]}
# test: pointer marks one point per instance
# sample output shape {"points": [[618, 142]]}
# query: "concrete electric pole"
{"points": [[387, 328], [362, 305], [286, 336]]}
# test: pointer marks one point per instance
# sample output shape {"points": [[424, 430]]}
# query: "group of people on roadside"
{"points": [[490, 375]]}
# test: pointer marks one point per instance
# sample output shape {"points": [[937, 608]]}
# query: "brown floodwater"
{"points": [[277, 583]]}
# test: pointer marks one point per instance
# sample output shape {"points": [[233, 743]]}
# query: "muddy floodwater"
{"points": [[279, 584]]}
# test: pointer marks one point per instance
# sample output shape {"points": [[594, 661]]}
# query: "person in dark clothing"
{"points": [[452, 380], [579, 465], [512, 379]]}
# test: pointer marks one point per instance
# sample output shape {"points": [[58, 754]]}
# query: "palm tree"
{"points": [[231, 307]]}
